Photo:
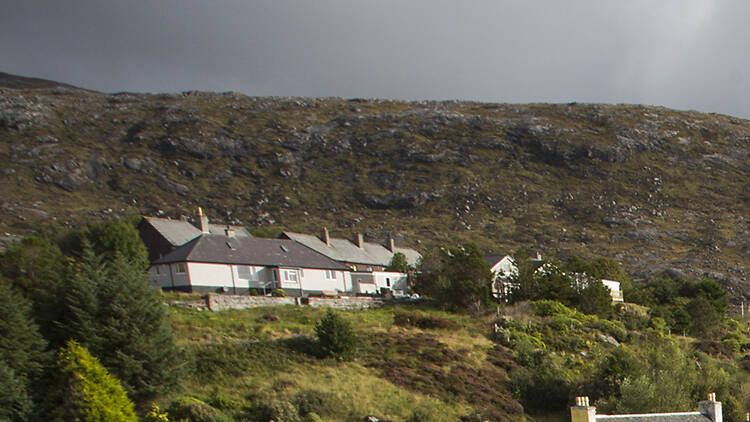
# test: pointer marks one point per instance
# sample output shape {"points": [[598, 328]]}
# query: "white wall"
{"points": [[316, 280], [211, 275], [398, 281], [247, 277], [505, 267]]}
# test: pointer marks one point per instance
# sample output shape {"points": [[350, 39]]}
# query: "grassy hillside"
{"points": [[523, 362], [654, 188]]}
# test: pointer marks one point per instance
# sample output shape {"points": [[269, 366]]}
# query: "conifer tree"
{"points": [[111, 310], [21, 354], [21, 345], [89, 392], [15, 404]]}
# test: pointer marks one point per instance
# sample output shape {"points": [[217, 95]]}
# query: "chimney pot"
{"points": [[391, 245], [325, 236]]}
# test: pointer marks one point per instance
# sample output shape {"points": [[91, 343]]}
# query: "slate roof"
{"points": [[655, 417], [249, 251], [179, 232], [491, 260], [345, 251]]}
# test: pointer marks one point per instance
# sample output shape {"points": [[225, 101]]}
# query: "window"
{"points": [[388, 282], [157, 269], [246, 272], [180, 268], [290, 276], [330, 274]]}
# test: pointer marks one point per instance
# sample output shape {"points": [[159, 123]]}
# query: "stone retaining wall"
{"points": [[222, 302]]}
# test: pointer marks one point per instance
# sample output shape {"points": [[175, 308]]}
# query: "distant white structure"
{"points": [[614, 290], [708, 411]]}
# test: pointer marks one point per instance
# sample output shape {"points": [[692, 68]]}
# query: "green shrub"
{"points": [[278, 293], [274, 410], [336, 338], [419, 415], [156, 415], [195, 410], [551, 308], [405, 319], [90, 393], [615, 329], [314, 401], [254, 292]]}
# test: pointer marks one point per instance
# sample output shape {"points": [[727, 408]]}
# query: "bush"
{"points": [[551, 308], [278, 293], [254, 292], [314, 401], [274, 410], [90, 393], [194, 410], [404, 319], [418, 415], [335, 337]]}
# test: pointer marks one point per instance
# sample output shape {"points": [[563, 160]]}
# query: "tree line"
{"points": [[81, 332]]}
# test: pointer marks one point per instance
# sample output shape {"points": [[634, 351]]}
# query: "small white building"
{"points": [[225, 264], [378, 281], [504, 270], [614, 290]]}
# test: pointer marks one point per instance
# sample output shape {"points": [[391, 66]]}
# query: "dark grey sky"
{"points": [[683, 54]]}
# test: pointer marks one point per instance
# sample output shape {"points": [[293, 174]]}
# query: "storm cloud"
{"points": [[682, 54]]}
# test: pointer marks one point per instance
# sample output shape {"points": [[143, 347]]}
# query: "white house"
{"points": [[504, 270], [375, 282], [614, 290], [216, 263]]}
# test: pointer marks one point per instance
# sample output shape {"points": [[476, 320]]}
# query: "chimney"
{"points": [[391, 245], [325, 236], [582, 412], [360, 241], [711, 408], [204, 221]]}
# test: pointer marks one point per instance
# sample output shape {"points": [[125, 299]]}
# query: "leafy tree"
{"points": [[112, 311], [704, 318], [545, 282], [398, 263], [89, 392], [596, 299], [458, 278], [336, 338]]}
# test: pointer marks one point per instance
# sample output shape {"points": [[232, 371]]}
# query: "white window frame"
{"points": [[330, 274], [290, 276], [180, 266]]}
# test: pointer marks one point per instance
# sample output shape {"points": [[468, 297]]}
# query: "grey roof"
{"points": [[656, 417], [238, 231], [491, 260], [249, 251], [179, 232], [345, 251]]}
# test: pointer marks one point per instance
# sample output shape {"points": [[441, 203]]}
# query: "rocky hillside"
{"points": [[654, 188]]}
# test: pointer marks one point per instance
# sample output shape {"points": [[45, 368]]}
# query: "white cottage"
{"points": [[216, 263]]}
